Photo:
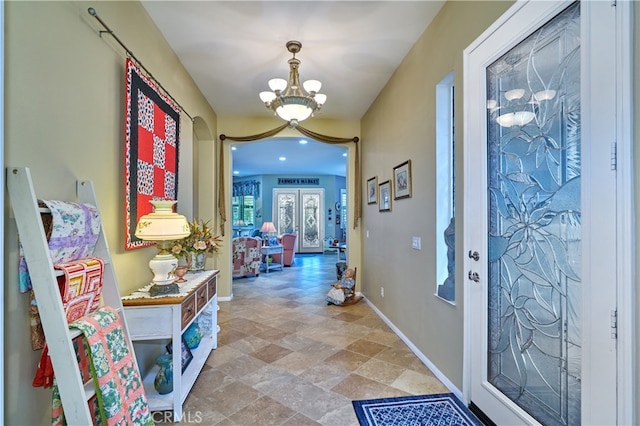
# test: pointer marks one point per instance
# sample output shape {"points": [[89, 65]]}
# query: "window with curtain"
{"points": [[243, 202], [243, 210]]}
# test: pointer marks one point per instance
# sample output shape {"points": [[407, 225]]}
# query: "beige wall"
{"points": [[399, 126], [64, 100]]}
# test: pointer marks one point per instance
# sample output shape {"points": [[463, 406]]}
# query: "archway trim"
{"points": [[306, 132]]}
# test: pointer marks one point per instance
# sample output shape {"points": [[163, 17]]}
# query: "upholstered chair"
{"points": [[288, 242], [246, 256]]}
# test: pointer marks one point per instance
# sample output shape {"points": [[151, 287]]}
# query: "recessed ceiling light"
{"points": [[344, 154], [282, 158], [235, 172], [302, 142], [233, 148]]}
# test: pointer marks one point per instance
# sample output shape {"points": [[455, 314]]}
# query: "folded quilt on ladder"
{"points": [[120, 395], [80, 289]]}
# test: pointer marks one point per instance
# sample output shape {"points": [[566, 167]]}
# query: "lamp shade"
{"points": [[290, 112], [277, 84], [267, 96], [312, 86], [268, 227], [163, 224], [320, 98]]}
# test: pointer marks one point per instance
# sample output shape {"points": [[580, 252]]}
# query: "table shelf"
{"points": [[189, 377], [167, 317], [265, 252]]}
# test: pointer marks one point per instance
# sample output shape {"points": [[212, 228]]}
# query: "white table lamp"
{"points": [[163, 226], [267, 228]]}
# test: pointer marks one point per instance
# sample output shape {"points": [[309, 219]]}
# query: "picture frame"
{"points": [[186, 357], [402, 180], [372, 190], [385, 196]]}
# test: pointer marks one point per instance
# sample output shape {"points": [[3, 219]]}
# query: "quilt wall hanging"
{"points": [[152, 130]]}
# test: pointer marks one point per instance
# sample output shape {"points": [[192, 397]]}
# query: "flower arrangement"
{"points": [[201, 240]]}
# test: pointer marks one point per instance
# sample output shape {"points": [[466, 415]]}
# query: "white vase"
{"points": [[197, 262]]}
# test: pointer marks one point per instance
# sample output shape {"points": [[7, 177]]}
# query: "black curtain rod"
{"points": [[93, 13]]}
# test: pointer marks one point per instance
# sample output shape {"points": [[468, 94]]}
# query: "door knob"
{"points": [[473, 276], [474, 255]]}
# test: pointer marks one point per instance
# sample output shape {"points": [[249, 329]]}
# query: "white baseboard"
{"points": [[225, 298], [431, 366]]}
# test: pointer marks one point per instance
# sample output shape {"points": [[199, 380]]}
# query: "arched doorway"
{"points": [[352, 230], [298, 184]]}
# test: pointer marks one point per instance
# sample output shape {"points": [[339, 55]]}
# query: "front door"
{"points": [[539, 217], [300, 210]]}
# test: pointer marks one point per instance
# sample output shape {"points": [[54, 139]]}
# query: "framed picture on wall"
{"points": [[402, 180], [385, 196], [372, 190]]}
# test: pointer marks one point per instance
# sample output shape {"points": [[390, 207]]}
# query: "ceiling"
{"points": [[232, 48]]}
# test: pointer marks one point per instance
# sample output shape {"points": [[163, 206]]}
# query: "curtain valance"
{"points": [[247, 187]]}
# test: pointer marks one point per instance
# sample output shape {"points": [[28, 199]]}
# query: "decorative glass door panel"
{"points": [[545, 208], [300, 210], [310, 235], [534, 222], [287, 212]]}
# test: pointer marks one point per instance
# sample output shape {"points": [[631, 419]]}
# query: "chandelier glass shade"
{"points": [[290, 100], [521, 106]]}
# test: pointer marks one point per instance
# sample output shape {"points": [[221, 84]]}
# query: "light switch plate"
{"points": [[416, 243]]}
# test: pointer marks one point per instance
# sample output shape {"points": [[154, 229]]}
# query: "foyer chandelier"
{"points": [[290, 101]]}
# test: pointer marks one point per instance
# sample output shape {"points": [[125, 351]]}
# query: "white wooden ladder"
{"points": [[27, 214]]}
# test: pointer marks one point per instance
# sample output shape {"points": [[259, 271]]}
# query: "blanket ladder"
{"points": [[74, 394]]}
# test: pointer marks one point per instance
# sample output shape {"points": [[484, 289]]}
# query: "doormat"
{"points": [[424, 410]]}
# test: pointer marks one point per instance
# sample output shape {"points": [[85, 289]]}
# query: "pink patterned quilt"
{"points": [[119, 391]]}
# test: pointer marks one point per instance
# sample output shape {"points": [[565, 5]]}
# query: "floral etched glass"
{"points": [[534, 192]]}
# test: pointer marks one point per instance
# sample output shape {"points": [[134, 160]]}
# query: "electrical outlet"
{"points": [[381, 291], [416, 243]]}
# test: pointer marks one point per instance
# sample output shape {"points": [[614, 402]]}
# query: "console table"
{"points": [[266, 251], [167, 316]]}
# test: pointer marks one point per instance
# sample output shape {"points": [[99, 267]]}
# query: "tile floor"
{"points": [[285, 357]]}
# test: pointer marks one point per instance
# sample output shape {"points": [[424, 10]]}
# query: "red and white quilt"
{"points": [[152, 130]]}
